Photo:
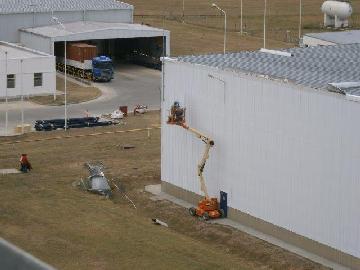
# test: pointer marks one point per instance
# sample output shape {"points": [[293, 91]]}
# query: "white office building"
{"points": [[25, 72]]}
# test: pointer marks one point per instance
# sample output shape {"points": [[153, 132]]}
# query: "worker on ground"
{"points": [[25, 165]]}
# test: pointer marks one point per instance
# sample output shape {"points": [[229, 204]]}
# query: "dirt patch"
{"points": [[43, 213], [76, 93]]}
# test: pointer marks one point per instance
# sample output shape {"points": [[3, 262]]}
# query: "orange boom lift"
{"points": [[208, 207]]}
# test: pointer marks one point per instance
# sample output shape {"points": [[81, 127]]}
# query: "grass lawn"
{"points": [[76, 93], [199, 35], [43, 213]]}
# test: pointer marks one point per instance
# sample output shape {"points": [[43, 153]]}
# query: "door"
{"points": [[223, 202]]}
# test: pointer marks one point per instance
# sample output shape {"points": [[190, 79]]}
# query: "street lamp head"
{"points": [[214, 5], [55, 19]]}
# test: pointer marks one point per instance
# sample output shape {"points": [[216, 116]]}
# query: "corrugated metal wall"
{"points": [[36, 42], [14, 22], [285, 154]]}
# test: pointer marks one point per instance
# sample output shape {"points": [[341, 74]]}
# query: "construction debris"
{"points": [[117, 115], [121, 189], [127, 146], [159, 222], [99, 184], [140, 109], [96, 182], [9, 171]]}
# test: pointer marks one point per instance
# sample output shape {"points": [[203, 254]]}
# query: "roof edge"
{"points": [[42, 54]]}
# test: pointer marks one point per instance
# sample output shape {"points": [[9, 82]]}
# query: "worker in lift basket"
{"points": [[25, 165], [178, 112]]}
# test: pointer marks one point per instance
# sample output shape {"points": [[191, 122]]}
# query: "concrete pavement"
{"points": [[132, 85]]}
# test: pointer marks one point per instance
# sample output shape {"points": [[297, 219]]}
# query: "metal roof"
{"points": [[314, 67], [29, 6], [346, 88], [86, 30], [17, 52], [344, 37]]}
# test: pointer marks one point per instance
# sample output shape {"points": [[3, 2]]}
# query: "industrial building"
{"points": [[105, 23], [45, 25], [115, 39], [25, 72], [286, 149], [331, 38]]}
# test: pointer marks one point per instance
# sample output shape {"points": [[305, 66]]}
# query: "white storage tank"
{"points": [[336, 13]]}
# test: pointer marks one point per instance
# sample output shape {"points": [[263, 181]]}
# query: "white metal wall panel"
{"points": [[14, 22], [311, 41], [120, 16], [45, 44], [25, 76], [36, 42], [284, 154]]}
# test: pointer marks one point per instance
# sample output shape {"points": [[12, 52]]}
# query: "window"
{"points": [[11, 81], [103, 65], [38, 79]]}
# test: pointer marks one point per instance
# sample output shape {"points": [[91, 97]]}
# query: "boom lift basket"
{"points": [[177, 115]]}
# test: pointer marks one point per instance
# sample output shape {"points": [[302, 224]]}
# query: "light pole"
{"points": [[265, 4], [6, 93], [33, 12], [22, 96], [183, 12], [241, 17], [217, 7], [300, 20], [55, 19]]}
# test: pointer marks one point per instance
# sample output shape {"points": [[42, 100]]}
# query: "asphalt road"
{"points": [[132, 85]]}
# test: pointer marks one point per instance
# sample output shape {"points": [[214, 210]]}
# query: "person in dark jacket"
{"points": [[25, 165]]}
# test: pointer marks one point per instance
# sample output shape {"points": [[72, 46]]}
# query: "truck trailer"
{"points": [[83, 62]]}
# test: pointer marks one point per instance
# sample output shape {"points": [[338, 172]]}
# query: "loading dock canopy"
{"points": [[88, 30]]}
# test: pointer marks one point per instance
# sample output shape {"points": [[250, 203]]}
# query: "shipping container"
{"points": [[81, 52]]}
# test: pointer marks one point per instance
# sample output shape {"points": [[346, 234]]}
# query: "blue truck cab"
{"points": [[103, 69]]}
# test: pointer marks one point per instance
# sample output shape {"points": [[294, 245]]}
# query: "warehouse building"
{"points": [[286, 139], [25, 72], [115, 39], [331, 38], [108, 24]]}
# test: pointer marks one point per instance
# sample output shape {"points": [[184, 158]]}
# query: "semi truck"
{"points": [[83, 62]]}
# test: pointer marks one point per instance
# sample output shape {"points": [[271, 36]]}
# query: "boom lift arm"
{"points": [[208, 207], [201, 166]]}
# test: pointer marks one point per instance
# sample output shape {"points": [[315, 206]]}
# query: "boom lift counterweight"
{"points": [[207, 207]]}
